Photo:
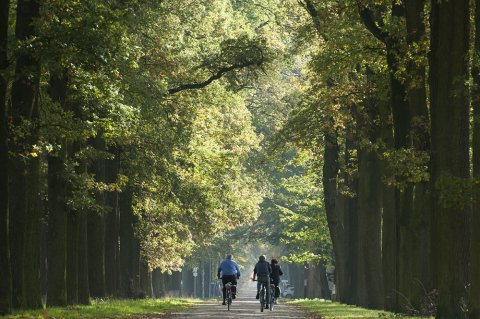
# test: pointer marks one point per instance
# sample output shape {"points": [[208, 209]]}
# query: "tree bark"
{"points": [[396, 220], [403, 197], [57, 199], [369, 285], [349, 294], [96, 256], [57, 232], [329, 180], [129, 246], [145, 279], [414, 224], [72, 265], [157, 282], [474, 296], [96, 229], [450, 152], [83, 287], [6, 282], [24, 106], [112, 231], [32, 293], [313, 281], [323, 281], [346, 206], [389, 217], [369, 263]]}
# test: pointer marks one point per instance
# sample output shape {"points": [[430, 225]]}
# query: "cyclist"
{"points": [[263, 271], [276, 273], [230, 273]]}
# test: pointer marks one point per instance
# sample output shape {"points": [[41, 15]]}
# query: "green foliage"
{"points": [[161, 86], [299, 201], [409, 164]]}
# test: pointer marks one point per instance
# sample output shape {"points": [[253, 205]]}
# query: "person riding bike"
{"points": [[263, 271], [229, 273], [276, 273]]}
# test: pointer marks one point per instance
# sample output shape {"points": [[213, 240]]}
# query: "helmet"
{"points": [[262, 258]]}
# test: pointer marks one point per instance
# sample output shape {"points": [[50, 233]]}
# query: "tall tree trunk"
{"points": [[349, 294], [450, 152], [389, 216], [314, 289], [96, 229], [111, 232], [323, 281], [345, 266], [369, 267], [396, 220], [158, 283], [414, 224], [57, 232], [96, 264], [474, 297], [6, 282], [83, 287], [72, 265], [32, 293], [57, 200], [129, 247], [145, 278], [75, 224], [329, 180], [24, 106], [403, 198]]}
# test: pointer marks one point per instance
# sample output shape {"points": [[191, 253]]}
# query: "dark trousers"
{"points": [[233, 280], [265, 280], [277, 289]]}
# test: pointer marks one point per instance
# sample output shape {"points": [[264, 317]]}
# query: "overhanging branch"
{"points": [[314, 14], [371, 25], [216, 76]]}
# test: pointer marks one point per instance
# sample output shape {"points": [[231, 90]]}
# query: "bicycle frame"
{"points": [[272, 296], [228, 294]]}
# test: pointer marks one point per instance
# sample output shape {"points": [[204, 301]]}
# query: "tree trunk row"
{"points": [[397, 228]]}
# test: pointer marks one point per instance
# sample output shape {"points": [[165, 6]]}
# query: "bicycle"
{"points": [[263, 302], [272, 296], [228, 294]]}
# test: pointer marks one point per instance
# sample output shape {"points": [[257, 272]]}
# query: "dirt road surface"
{"points": [[245, 306]]}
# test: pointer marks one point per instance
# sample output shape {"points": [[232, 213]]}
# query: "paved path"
{"points": [[245, 306]]}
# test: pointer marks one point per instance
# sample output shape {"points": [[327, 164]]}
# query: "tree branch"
{"points": [[216, 76], [369, 22], [312, 11]]}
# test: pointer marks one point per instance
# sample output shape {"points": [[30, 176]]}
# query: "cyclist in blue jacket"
{"points": [[229, 273]]}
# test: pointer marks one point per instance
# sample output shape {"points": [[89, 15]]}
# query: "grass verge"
{"points": [[334, 310], [113, 308]]}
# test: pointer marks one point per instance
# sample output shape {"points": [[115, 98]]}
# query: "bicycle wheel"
{"points": [[262, 298], [229, 299], [271, 299]]}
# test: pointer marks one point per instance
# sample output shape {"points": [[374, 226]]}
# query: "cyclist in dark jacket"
{"points": [[276, 273], [263, 271]]}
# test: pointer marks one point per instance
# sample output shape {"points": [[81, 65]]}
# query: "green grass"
{"points": [[335, 310], [108, 309]]}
